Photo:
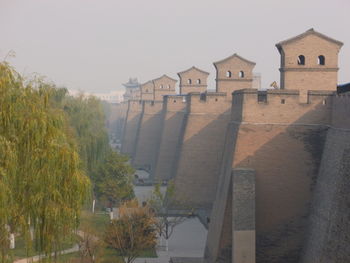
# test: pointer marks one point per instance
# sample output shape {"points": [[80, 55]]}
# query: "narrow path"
{"points": [[38, 257]]}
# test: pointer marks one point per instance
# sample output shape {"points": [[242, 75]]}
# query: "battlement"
{"points": [[282, 106], [208, 102], [152, 107], [341, 110], [175, 103], [135, 105]]}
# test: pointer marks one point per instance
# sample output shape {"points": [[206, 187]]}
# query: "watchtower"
{"points": [[132, 90], [233, 73], [193, 80], [147, 90], [309, 61], [163, 86]]}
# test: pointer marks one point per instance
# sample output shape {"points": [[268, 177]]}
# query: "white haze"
{"points": [[97, 45]]}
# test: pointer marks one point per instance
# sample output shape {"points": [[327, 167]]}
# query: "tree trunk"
{"points": [[93, 206], [12, 241]]}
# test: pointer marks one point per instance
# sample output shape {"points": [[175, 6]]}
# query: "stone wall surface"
{"points": [[201, 148], [172, 127], [285, 153], [329, 233], [131, 126], [148, 136], [219, 239]]}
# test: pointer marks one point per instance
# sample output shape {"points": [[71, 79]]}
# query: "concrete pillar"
{"points": [[243, 216]]}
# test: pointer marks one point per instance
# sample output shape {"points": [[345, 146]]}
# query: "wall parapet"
{"points": [[152, 107], [175, 103], [207, 102], [282, 106]]}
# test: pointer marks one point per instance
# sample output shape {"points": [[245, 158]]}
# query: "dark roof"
{"points": [[311, 31], [132, 83], [342, 88], [193, 68], [233, 56]]}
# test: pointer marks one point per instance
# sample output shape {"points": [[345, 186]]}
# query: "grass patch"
{"points": [[98, 222]]}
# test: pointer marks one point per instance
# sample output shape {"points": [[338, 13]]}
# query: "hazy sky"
{"points": [[96, 45]]}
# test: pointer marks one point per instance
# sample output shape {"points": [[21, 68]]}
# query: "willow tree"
{"points": [[42, 186], [86, 117]]}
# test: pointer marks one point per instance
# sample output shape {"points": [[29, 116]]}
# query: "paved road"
{"points": [[188, 240]]}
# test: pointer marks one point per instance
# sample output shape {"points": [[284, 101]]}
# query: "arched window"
{"points": [[189, 81], [168, 86], [161, 86], [146, 90], [301, 60], [241, 74], [321, 60], [228, 74], [198, 81]]}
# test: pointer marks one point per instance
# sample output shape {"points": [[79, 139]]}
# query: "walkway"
{"points": [[188, 240]]}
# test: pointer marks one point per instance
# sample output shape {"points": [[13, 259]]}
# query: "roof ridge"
{"points": [[232, 56], [193, 67], [165, 75], [306, 33]]}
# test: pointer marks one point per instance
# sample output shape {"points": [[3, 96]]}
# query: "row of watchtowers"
{"points": [[248, 159]]}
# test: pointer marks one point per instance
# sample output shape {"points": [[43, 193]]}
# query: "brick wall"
{"points": [[148, 136], [172, 127], [132, 124]]}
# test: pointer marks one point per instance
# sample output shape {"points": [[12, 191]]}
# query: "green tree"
{"points": [[42, 186], [87, 119], [112, 180]]}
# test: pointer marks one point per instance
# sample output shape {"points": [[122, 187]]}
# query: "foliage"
{"points": [[108, 170], [112, 180], [132, 233], [41, 184], [87, 119]]}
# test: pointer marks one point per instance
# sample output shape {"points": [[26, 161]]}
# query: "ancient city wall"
{"points": [[282, 140], [201, 148], [131, 126], [148, 136], [174, 110], [329, 233]]}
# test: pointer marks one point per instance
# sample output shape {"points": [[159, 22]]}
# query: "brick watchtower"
{"points": [[233, 73], [147, 90], [309, 61], [163, 86], [193, 80]]}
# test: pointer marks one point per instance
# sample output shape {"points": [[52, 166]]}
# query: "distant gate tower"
{"points": [[132, 90]]}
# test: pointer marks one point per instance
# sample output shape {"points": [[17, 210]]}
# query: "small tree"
{"points": [[162, 205], [131, 233], [89, 244]]}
